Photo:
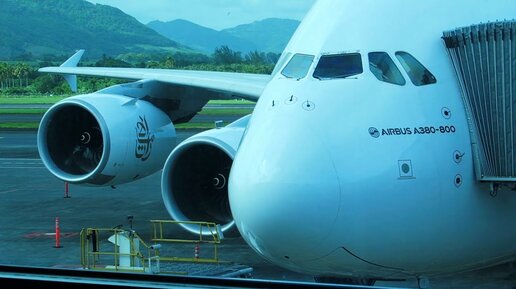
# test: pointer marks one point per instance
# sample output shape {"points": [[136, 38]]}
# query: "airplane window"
{"points": [[338, 66], [417, 73], [298, 66], [383, 68], [281, 61]]}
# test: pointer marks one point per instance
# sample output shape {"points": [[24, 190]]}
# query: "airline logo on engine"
{"points": [[144, 140]]}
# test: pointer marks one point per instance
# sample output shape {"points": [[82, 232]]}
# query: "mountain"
{"points": [[62, 26], [269, 35], [199, 37]]}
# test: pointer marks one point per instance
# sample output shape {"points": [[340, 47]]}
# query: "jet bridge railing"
{"points": [[118, 249], [123, 252], [207, 238], [484, 58]]}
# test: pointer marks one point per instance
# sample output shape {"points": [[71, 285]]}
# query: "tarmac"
{"points": [[31, 199]]}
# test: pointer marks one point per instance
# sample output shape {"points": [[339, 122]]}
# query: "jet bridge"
{"points": [[484, 58]]}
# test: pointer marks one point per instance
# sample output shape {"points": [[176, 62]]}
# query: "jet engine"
{"points": [[104, 139], [194, 184]]}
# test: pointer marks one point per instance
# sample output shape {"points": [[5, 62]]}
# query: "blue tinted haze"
{"points": [[216, 14]]}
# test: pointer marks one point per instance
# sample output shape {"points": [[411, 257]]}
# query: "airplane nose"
{"points": [[284, 192]]}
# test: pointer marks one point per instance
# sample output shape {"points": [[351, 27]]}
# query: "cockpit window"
{"points": [[281, 61], [298, 66], [383, 68], [338, 66], [417, 73]]}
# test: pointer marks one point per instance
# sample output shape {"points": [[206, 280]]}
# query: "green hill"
{"points": [[58, 27], [269, 35], [199, 37]]}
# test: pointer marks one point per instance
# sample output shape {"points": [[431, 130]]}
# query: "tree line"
{"points": [[17, 74], [23, 78]]}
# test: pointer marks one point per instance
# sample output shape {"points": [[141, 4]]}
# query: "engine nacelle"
{"points": [[104, 139], [194, 184]]}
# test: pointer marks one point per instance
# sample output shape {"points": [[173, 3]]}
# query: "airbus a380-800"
{"points": [[382, 145]]}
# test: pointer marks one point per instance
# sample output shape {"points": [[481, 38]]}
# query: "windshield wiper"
{"points": [[341, 76]]}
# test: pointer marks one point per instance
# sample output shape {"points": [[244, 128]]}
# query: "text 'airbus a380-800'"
{"points": [[383, 145]]}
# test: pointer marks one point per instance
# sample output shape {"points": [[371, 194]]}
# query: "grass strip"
{"points": [[206, 111], [43, 99], [19, 125], [226, 111], [32, 99], [230, 101]]}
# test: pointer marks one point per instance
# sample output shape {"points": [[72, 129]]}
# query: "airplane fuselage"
{"points": [[357, 176]]}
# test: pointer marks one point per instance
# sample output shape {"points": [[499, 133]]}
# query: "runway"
{"points": [[47, 106], [200, 118]]}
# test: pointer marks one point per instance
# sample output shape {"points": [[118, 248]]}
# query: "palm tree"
{"points": [[3, 74]]}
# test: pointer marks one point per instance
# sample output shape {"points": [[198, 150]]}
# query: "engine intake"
{"points": [[195, 178], [74, 139], [104, 139]]}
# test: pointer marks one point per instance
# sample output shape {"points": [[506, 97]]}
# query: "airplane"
{"points": [[380, 147]]}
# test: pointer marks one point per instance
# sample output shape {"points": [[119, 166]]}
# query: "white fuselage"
{"points": [[312, 190]]}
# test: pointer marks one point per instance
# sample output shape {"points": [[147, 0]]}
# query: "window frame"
{"points": [[419, 67], [391, 64], [290, 61], [282, 62], [338, 76]]}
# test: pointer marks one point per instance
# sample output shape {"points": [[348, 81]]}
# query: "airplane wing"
{"points": [[231, 85]]}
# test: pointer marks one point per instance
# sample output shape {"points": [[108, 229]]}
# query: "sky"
{"points": [[215, 14]]}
